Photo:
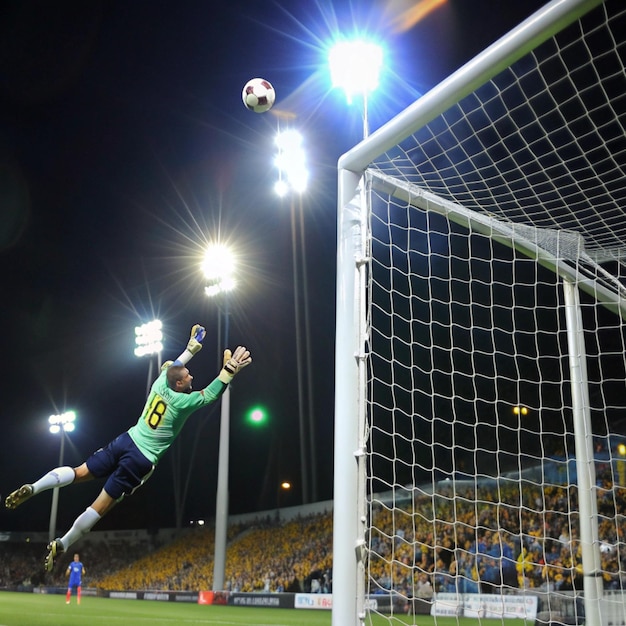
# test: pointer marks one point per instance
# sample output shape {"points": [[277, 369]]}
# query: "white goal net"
{"points": [[480, 439]]}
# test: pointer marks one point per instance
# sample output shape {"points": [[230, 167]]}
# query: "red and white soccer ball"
{"points": [[258, 95]]}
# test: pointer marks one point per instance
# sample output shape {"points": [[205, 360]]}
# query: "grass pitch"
{"points": [[29, 609]]}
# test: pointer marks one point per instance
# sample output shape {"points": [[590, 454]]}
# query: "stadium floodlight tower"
{"points": [[219, 271], [149, 341], [59, 425], [293, 177], [355, 67]]}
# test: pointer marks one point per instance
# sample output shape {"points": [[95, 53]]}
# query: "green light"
{"points": [[257, 416]]}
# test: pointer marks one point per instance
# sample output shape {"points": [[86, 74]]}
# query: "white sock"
{"points": [[82, 525], [59, 477]]}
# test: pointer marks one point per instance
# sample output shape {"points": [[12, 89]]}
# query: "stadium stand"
{"points": [[531, 544]]}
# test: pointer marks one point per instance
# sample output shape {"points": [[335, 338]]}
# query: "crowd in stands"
{"points": [[19, 562], [482, 538], [462, 538], [262, 556]]}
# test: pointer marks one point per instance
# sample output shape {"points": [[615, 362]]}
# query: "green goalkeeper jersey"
{"points": [[166, 412]]}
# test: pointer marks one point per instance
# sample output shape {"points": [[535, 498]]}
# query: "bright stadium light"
{"points": [[217, 288], [64, 422], [148, 342], [59, 424], [355, 67], [291, 163], [219, 266], [149, 338]]}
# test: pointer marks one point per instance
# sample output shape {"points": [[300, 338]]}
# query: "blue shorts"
{"points": [[124, 466]]}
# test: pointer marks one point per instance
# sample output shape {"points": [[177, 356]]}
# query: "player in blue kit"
{"points": [[75, 571], [129, 460]]}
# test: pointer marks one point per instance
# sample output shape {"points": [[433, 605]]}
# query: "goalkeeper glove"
{"points": [[233, 363], [193, 346], [195, 340], [166, 365]]}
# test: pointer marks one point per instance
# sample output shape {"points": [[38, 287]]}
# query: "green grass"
{"points": [[29, 609]]}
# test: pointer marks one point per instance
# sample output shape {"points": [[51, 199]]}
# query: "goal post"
{"points": [[467, 237]]}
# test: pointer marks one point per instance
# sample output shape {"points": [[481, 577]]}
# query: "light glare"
{"points": [[291, 163], [281, 188], [219, 270], [222, 286], [64, 421], [149, 338], [257, 415], [355, 67]]}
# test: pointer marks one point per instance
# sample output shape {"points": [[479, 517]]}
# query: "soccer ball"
{"points": [[258, 95]]}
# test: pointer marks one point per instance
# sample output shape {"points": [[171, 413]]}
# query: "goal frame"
{"points": [[349, 511]]}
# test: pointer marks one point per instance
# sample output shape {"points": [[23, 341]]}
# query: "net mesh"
{"points": [[472, 477], [543, 143]]}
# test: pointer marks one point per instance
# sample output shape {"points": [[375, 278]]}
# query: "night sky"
{"points": [[124, 150]]}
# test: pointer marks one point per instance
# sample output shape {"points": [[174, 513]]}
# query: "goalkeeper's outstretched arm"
{"points": [[234, 362], [194, 345]]}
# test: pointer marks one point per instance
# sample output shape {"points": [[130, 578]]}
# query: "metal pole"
{"points": [[346, 523], [303, 447], [55, 496], [585, 467], [221, 502], [149, 380], [309, 368]]}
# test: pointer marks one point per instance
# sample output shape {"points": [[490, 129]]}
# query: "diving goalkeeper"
{"points": [[129, 460]]}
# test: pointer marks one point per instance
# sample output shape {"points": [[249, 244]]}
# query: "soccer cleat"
{"points": [[19, 496], [55, 548]]}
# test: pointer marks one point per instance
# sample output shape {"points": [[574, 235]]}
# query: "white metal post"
{"points": [[585, 468], [345, 496], [221, 500], [221, 509]]}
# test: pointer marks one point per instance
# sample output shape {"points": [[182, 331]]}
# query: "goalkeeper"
{"points": [[129, 460]]}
